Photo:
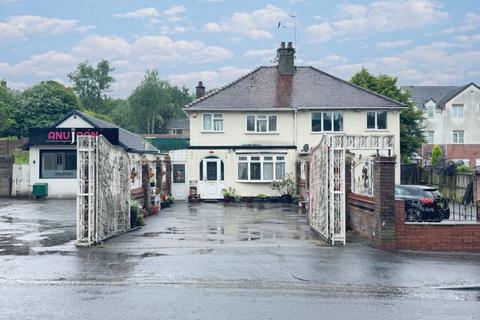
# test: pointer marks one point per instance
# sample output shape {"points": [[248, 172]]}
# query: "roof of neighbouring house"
{"points": [[439, 94], [307, 88], [181, 123], [130, 141]]}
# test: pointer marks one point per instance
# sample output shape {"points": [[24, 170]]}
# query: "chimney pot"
{"points": [[286, 57], [199, 90]]}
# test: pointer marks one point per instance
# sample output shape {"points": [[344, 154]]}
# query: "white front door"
{"points": [[211, 183], [179, 187]]}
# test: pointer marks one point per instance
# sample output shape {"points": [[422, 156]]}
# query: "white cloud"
{"points": [[140, 13], [378, 16], [254, 25], [393, 44], [264, 55], [151, 13], [328, 60], [172, 14], [437, 63], [320, 32], [130, 59], [211, 79], [20, 27]]}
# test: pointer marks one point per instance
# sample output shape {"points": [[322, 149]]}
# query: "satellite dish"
{"points": [[306, 147]]}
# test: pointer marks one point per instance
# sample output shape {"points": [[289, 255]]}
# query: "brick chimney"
{"points": [[200, 90], [286, 58]]}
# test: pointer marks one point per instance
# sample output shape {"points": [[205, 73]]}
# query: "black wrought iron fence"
{"points": [[464, 211]]}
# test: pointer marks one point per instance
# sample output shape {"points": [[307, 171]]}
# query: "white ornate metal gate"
{"points": [[327, 181], [103, 197]]}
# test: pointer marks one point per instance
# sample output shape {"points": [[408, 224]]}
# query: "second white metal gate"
{"points": [[327, 212]]}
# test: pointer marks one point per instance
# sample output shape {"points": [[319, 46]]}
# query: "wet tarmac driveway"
{"points": [[215, 261]]}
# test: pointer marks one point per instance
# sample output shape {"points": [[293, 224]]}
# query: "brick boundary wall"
{"points": [[434, 236], [361, 213]]}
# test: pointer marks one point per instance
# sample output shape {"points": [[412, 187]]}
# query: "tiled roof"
{"points": [[128, 140], [422, 94], [182, 123], [307, 88]]}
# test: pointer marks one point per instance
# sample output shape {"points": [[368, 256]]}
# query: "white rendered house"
{"points": [[249, 133]]}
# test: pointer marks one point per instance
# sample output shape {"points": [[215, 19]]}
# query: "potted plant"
{"points": [[285, 187], [229, 194], [134, 213], [164, 203]]}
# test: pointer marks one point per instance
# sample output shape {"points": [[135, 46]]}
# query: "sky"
{"points": [[422, 42]]}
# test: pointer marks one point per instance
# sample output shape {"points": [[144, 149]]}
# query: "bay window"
{"points": [[264, 168], [261, 123]]}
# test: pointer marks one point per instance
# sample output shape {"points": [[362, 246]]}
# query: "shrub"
{"points": [[285, 186]]}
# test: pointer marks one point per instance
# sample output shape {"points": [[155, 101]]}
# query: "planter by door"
{"points": [[211, 178]]}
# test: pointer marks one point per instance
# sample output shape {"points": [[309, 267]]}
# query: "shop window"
{"points": [[61, 164]]}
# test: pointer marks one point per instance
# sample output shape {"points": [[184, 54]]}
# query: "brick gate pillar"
{"points": [[158, 175], [384, 195], [168, 173]]}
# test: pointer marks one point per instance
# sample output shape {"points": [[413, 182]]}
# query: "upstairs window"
{"points": [[213, 122], [327, 121], [430, 110], [457, 111], [377, 120], [261, 123]]}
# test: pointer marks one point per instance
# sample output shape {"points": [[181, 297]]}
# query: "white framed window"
{"points": [[458, 136], [457, 111], [430, 110], [262, 168], [327, 122], [213, 122], [430, 137], [377, 120], [261, 123]]}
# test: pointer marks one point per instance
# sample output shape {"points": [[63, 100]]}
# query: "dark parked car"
{"points": [[423, 203]]}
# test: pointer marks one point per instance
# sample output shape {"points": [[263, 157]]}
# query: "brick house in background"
{"points": [[451, 119]]}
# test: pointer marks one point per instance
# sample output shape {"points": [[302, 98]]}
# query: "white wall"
{"points": [[21, 180], [57, 188], [229, 157], [354, 122], [74, 121], [443, 124]]}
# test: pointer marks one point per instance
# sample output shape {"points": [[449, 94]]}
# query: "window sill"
{"points": [[376, 130], [261, 133], [327, 132], [256, 181], [206, 131]]}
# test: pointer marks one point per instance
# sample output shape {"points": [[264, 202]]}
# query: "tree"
{"points": [[153, 103], [42, 105], [92, 84], [437, 154], [411, 128], [6, 111]]}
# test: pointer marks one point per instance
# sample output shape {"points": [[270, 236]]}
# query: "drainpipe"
{"points": [[295, 127]]}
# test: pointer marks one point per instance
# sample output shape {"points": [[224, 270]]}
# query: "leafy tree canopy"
{"points": [[411, 127], [42, 105], [153, 103], [92, 84], [6, 109]]}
